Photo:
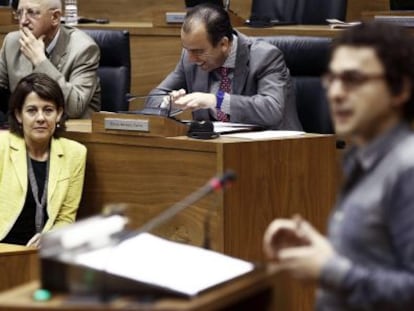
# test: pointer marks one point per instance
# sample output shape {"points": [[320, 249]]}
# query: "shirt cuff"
{"points": [[225, 105], [334, 272]]}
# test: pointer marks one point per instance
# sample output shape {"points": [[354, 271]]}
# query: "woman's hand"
{"points": [[34, 241]]}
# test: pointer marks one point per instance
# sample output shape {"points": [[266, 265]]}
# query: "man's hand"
{"points": [[298, 248], [281, 234], [32, 48], [195, 101], [172, 97]]}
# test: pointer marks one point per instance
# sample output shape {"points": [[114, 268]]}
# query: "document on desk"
{"points": [[178, 267], [266, 134]]}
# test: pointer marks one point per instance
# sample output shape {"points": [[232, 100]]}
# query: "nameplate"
{"points": [[138, 125], [174, 17]]}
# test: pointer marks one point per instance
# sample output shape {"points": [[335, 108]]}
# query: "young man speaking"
{"points": [[367, 260]]}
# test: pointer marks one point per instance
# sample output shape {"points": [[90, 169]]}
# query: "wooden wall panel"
{"points": [[142, 10], [356, 7]]}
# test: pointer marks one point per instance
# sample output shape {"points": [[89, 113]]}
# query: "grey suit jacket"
{"points": [[262, 90], [73, 63]]}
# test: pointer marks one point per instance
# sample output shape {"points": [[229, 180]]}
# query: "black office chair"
{"points": [[114, 68], [299, 11], [307, 58]]}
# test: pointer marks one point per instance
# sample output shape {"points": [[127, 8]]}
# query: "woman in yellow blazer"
{"points": [[41, 175]]}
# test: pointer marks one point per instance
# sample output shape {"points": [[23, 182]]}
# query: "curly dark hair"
{"points": [[46, 88], [215, 18], [394, 47]]}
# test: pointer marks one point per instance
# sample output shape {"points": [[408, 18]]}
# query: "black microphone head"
{"points": [[227, 177], [218, 183]]}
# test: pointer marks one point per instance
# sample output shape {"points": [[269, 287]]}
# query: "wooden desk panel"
{"points": [[276, 178], [18, 265], [370, 15], [251, 292]]}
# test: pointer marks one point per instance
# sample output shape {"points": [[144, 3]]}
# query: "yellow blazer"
{"points": [[65, 181]]}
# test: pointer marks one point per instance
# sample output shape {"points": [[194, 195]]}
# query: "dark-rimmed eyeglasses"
{"points": [[350, 78]]}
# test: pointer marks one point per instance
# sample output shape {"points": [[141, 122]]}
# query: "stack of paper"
{"points": [[231, 127], [266, 135]]}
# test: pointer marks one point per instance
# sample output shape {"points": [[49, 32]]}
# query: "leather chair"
{"points": [[307, 58], [114, 68], [299, 11]]}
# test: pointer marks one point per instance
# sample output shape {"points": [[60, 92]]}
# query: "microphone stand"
{"points": [[214, 184]]}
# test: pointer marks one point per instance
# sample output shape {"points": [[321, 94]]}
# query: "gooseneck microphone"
{"points": [[214, 184], [131, 97]]}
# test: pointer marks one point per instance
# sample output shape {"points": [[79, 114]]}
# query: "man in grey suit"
{"points": [[260, 91], [66, 54]]}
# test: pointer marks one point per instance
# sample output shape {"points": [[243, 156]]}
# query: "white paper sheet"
{"points": [[265, 134], [182, 268]]}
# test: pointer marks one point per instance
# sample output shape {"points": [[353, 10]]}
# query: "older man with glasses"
{"points": [[367, 261], [66, 54]]}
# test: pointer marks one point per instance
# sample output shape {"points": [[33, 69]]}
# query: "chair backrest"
{"points": [[307, 58], [114, 67], [300, 11]]}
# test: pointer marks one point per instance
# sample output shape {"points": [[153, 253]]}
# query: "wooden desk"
{"points": [[276, 178], [370, 15], [156, 51], [251, 292], [18, 265]]}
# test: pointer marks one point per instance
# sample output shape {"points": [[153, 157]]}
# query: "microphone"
{"points": [[156, 111], [214, 184]]}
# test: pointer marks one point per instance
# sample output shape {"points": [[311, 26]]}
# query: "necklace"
{"points": [[40, 205]]}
